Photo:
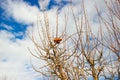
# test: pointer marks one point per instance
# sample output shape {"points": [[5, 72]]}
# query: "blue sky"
{"points": [[18, 18]]}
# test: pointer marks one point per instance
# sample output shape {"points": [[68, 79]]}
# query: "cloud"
{"points": [[14, 70], [58, 1], [6, 26], [5, 35], [20, 11], [19, 34], [13, 48], [14, 56], [44, 4]]}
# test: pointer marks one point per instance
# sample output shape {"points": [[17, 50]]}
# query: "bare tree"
{"points": [[54, 51], [81, 54], [112, 34], [89, 47], [113, 28]]}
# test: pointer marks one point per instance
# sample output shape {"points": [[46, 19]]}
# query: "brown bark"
{"points": [[62, 73], [94, 74]]}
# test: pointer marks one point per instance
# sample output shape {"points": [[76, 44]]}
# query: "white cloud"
{"points": [[44, 4], [19, 34], [14, 70], [58, 1], [20, 11], [25, 13], [6, 26], [16, 55]]}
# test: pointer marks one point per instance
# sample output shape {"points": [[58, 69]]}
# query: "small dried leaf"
{"points": [[57, 40]]}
